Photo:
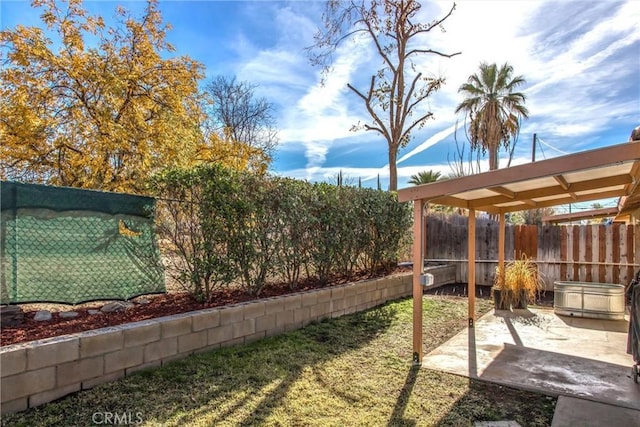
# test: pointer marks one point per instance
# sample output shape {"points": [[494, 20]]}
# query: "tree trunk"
{"points": [[493, 156], [393, 168]]}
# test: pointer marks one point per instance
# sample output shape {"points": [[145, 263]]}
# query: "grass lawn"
{"points": [[355, 370]]}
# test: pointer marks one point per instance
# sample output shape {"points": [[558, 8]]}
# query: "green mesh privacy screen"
{"points": [[69, 245]]}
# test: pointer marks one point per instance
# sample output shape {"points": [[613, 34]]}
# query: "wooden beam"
{"points": [[503, 191], [563, 182], [471, 268], [564, 201], [553, 191], [556, 166], [451, 201], [530, 202], [418, 268]]}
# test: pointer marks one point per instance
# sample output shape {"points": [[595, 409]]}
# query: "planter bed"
{"points": [[37, 372]]}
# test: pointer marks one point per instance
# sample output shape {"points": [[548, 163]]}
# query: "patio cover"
{"points": [[602, 173]]}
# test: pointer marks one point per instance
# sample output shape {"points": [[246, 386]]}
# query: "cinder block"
{"points": [[254, 309], [244, 328], [17, 405], [141, 333], [232, 314], [86, 385], [382, 283], [207, 349], [206, 319], [47, 396], [302, 315], [350, 301], [377, 295], [337, 313], [360, 299], [176, 325], [13, 361], [80, 370], [309, 299], [274, 305], [338, 304], [254, 337], [237, 341], [265, 322], [27, 383], [101, 342], [170, 359], [284, 318], [160, 349], [291, 302], [189, 343], [337, 292], [122, 359], [361, 287], [350, 309], [277, 330], [220, 334], [53, 353], [292, 326], [324, 295], [320, 309], [149, 365], [350, 290]]}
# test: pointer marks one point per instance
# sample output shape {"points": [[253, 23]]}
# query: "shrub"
{"points": [[220, 226]]}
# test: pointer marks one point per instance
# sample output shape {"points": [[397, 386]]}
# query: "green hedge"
{"points": [[218, 226]]}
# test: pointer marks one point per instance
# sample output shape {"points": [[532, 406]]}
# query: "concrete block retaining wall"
{"points": [[38, 372]]}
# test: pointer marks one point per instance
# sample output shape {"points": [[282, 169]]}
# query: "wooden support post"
{"points": [[471, 280], [418, 267], [501, 242]]}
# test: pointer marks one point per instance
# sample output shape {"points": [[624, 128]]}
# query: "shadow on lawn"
{"points": [[237, 385], [485, 402]]}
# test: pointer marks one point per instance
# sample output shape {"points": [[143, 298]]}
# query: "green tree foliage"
{"points": [[425, 177], [494, 109], [396, 95], [101, 116]]}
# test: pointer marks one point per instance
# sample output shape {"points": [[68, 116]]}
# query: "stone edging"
{"points": [[38, 372]]}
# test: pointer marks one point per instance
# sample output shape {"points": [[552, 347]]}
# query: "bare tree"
{"points": [[236, 113], [395, 94]]}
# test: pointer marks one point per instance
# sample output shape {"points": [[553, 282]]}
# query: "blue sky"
{"points": [[581, 60]]}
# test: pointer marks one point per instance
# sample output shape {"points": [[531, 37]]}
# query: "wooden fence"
{"points": [[590, 253]]}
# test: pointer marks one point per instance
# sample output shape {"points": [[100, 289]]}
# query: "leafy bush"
{"points": [[193, 218], [220, 226]]}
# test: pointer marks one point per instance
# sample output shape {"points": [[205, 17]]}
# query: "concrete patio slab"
{"points": [[539, 351], [571, 412]]}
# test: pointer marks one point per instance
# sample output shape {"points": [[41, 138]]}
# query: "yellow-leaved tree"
{"points": [[233, 154], [98, 107]]}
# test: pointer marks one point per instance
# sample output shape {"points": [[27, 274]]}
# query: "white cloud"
{"points": [[572, 58]]}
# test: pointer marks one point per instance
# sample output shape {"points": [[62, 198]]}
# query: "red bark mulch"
{"points": [[158, 306]]}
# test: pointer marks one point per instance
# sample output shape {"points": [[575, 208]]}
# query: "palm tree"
{"points": [[424, 177], [494, 108]]}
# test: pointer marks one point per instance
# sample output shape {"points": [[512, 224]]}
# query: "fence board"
{"points": [[568, 252], [615, 252], [565, 252], [602, 253], [588, 255]]}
